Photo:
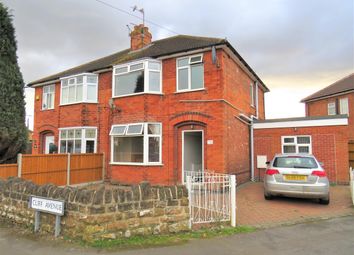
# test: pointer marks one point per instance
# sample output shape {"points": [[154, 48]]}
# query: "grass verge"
{"points": [[167, 240]]}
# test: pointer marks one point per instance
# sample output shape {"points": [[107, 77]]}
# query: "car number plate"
{"points": [[295, 177]]}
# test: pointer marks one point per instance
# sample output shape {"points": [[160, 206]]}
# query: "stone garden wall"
{"points": [[106, 212]]}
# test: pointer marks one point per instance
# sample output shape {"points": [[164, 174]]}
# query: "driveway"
{"points": [[253, 209]]}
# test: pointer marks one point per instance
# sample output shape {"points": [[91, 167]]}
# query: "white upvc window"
{"points": [[80, 88], [331, 108], [190, 73], [48, 97], [344, 106], [136, 144], [296, 144], [138, 77], [78, 140], [253, 93]]}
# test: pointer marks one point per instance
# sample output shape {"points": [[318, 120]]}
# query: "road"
{"points": [[335, 236]]}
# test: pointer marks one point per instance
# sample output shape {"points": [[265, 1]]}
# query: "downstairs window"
{"points": [[136, 144], [296, 144]]}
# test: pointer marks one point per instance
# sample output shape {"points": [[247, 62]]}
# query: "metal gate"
{"points": [[212, 197]]}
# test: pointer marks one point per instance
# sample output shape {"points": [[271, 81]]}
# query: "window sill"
{"points": [[79, 103], [135, 164], [188, 91], [139, 94], [47, 110]]}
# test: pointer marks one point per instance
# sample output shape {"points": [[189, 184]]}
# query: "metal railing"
{"points": [[351, 173], [212, 197]]}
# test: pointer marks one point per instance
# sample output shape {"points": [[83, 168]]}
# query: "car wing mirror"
{"points": [[267, 163], [321, 164]]}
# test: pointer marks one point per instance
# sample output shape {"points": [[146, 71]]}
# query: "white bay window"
{"points": [[79, 89], [136, 144], [137, 78], [78, 140]]}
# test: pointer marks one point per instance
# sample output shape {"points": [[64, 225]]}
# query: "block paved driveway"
{"points": [[253, 209]]}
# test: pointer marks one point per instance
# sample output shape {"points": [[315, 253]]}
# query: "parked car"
{"points": [[296, 175]]}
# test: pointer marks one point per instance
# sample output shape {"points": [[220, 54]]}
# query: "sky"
{"points": [[295, 46]]}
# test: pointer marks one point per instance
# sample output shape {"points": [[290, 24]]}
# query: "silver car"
{"points": [[296, 175]]}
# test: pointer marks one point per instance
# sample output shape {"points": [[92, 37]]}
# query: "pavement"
{"points": [[254, 210], [334, 236]]}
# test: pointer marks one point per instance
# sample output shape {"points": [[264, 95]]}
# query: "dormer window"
{"points": [[190, 73], [137, 78], [79, 89]]}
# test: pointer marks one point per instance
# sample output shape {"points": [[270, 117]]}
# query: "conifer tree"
{"points": [[13, 131]]}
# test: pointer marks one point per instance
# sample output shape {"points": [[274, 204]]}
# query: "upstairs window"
{"points": [[48, 97], [190, 73], [331, 108], [79, 89], [296, 144], [136, 78], [136, 144], [344, 106]]}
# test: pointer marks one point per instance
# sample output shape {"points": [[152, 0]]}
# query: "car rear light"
{"points": [[319, 173], [271, 171]]}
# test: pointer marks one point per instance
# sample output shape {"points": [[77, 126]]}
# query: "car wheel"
{"points": [[324, 201], [268, 196]]}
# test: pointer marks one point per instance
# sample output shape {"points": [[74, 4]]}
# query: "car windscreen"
{"points": [[295, 162]]}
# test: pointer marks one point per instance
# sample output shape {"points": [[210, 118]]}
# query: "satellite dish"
{"points": [[213, 55]]}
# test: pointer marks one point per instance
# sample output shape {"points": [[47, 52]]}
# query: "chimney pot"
{"points": [[140, 37]]}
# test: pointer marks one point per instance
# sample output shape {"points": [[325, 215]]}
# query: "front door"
{"points": [[192, 152], [48, 140]]}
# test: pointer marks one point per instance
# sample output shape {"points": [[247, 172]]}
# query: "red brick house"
{"points": [[157, 110], [337, 98]]}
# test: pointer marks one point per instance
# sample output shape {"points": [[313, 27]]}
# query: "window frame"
{"points": [[345, 99], [296, 144], [45, 97], [83, 139], [146, 70], [332, 106], [189, 72], [146, 137], [85, 84]]}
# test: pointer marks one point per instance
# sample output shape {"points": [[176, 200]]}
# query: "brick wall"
{"points": [[329, 145], [320, 108], [107, 212], [226, 94]]}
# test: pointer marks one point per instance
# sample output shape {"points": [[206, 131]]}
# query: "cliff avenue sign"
{"points": [[45, 205]]}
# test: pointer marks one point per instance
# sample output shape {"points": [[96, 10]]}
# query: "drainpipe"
{"points": [[252, 149]]}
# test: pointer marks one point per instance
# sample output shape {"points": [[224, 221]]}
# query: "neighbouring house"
{"points": [[337, 98], [157, 110]]}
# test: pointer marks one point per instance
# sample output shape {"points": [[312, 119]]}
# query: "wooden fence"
{"points": [[7, 170], [59, 169], [351, 153]]}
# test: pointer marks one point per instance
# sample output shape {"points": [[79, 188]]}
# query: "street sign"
{"points": [[45, 205]]}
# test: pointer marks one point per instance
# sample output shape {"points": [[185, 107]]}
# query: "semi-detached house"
{"points": [[156, 110]]}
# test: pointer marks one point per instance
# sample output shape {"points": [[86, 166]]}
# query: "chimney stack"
{"points": [[140, 37]]}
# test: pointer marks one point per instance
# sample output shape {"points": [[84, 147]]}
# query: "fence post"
{"points": [[189, 188], [68, 171], [233, 200], [19, 165]]}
